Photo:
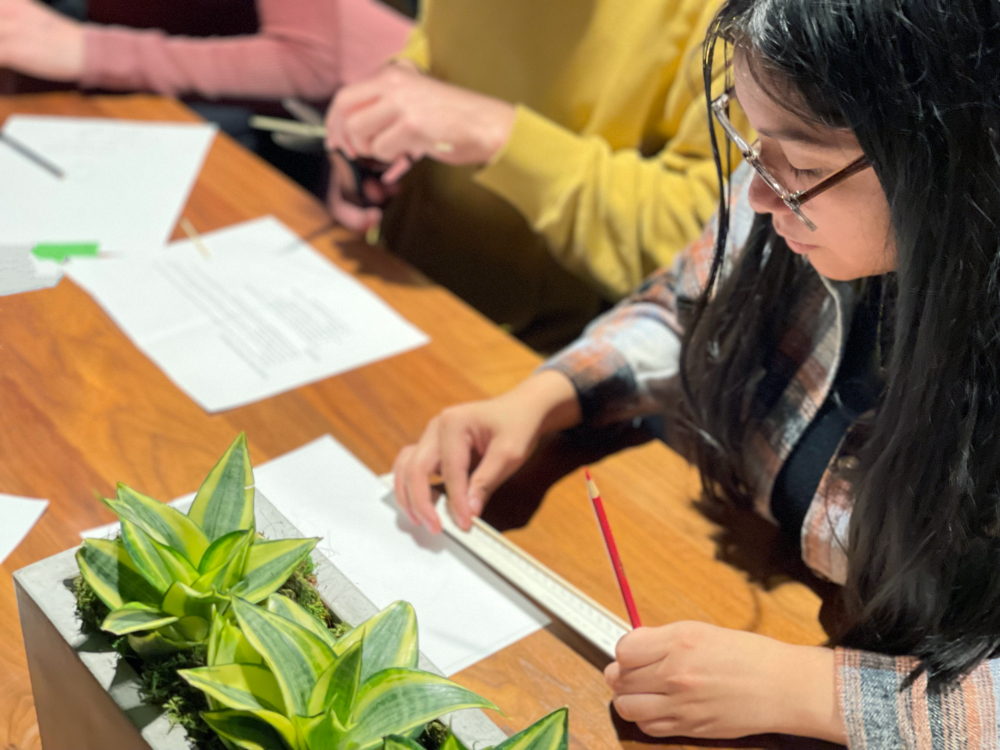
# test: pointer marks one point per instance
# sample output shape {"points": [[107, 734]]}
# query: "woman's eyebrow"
{"points": [[799, 135]]}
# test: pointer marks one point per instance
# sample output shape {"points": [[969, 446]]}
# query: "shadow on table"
{"points": [[516, 501], [744, 540], [374, 260]]}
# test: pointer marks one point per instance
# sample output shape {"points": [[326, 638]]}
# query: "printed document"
{"points": [[262, 314], [124, 183]]}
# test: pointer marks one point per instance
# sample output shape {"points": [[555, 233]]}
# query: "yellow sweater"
{"points": [[608, 170]]}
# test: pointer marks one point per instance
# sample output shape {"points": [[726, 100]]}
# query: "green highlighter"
{"points": [[60, 251]]}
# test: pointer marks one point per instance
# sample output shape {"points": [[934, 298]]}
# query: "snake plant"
{"points": [[307, 690], [170, 573], [548, 733]]}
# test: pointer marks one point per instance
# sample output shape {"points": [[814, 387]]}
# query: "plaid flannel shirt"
{"points": [[626, 365]]}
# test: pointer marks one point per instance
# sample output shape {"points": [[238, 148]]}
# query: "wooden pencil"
{"points": [[609, 541], [31, 155]]}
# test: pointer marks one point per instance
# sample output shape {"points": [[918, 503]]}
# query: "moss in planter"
{"points": [[433, 736], [183, 704], [89, 608], [162, 686], [301, 588]]}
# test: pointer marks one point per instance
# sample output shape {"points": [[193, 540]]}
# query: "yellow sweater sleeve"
{"points": [[417, 49], [613, 217]]}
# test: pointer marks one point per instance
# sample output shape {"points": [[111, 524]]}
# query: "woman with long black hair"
{"points": [[837, 336]]}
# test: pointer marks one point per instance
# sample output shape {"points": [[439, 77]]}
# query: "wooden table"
{"points": [[82, 408]]}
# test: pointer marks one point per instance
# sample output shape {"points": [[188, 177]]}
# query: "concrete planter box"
{"points": [[87, 697]]}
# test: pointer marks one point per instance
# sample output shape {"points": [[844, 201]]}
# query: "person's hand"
{"points": [[38, 41], [400, 115], [500, 433], [691, 679], [344, 209]]}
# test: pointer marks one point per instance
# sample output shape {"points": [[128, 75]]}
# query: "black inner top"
{"points": [[855, 390]]}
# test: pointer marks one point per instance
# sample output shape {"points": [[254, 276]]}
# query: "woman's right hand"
{"points": [[499, 433]]}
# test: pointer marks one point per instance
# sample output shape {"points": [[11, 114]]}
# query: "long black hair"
{"points": [[918, 83]]}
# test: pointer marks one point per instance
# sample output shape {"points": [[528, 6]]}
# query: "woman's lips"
{"points": [[800, 247]]}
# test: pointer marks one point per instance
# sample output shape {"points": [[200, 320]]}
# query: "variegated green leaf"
{"points": [[397, 700], [158, 643], [296, 656], [230, 572], [338, 685], [158, 563], [178, 565], [165, 524], [269, 565], [135, 617], [183, 601], [390, 639], [192, 628], [397, 742], [253, 730], [139, 546], [245, 687], [228, 645], [321, 732], [221, 550], [452, 742], [219, 646], [109, 570], [285, 607], [224, 502], [549, 733]]}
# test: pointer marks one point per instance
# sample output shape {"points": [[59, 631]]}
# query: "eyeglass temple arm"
{"points": [[859, 164]]}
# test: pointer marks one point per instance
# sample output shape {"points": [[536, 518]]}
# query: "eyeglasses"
{"points": [[794, 199]]}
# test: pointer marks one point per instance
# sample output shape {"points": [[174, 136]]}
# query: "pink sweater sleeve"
{"points": [[305, 48]]}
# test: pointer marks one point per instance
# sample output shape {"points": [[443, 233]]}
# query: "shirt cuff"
{"points": [[875, 713], [109, 59], [416, 51], [529, 171], [603, 379]]}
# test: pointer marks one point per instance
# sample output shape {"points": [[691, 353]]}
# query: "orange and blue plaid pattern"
{"points": [[626, 365]]}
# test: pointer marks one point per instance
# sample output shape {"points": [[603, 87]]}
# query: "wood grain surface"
{"points": [[81, 408]]}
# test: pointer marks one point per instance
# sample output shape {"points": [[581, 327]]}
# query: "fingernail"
{"points": [[476, 504]]}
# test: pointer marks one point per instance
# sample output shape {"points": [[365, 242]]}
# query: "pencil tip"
{"points": [[586, 473]]}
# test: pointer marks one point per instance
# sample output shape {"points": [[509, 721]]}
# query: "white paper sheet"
{"points": [[464, 610], [18, 515], [125, 182], [20, 271], [263, 314]]}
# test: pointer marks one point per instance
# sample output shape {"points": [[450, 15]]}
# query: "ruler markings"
{"points": [[565, 601]]}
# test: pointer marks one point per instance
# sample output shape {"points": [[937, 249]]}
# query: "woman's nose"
{"points": [[762, 199]]}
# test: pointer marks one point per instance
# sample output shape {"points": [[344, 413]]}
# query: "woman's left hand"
{"points": [[692, 679], [38, 41]]}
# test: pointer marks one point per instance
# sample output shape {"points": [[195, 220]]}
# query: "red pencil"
{"points": [[609, 541]]}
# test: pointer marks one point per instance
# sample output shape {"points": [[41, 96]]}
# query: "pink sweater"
{"points": [[305, 48]]}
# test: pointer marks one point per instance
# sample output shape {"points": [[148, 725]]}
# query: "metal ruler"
{"points": [[593, 622]]}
